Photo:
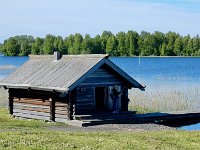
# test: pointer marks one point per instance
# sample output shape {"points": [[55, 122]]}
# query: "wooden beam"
{"points": [[52, 109], [71, 97], [10, 103], [70, 109]]}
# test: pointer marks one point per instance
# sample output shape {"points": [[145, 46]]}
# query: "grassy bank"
{"points": [[30, 134]]}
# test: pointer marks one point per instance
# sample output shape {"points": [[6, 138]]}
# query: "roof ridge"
{"points": [[88, 55], [67, 56]]}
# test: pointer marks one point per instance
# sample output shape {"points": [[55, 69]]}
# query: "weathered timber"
{"points": [[61, 120], [10, 102], [61, 108], [21, 105], [33, 102], [62, 116], [36, 109], [61, 112], [52, 109], [30, 116], [31, 112]]}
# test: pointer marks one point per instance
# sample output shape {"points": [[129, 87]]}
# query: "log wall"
{"points": [[31, 108], [40, 109], [102, 77]]}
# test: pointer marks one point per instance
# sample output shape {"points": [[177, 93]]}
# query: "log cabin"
{"points": [[56, 88]]}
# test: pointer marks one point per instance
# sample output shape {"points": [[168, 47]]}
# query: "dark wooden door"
{"points": [[100, 98]]}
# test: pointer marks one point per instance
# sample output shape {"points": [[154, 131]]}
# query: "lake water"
{"points": [[172, 83]]}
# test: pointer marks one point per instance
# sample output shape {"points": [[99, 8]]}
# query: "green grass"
{"points": [[35, 135]]}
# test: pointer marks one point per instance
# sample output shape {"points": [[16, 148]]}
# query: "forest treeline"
{"points": [[130, 43]]}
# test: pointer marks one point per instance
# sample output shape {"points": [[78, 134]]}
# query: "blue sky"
{"points": [[64, 17]]}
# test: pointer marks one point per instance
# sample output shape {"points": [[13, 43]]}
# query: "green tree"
{"points": [[48, 46], [97, 49], [11, 47], [185, 44], [78, 38], [37, 46], [69, 43], [87, 45], [196, 44], [111, 46], [121, 48], [178, 47], [131, 42], [104, 38]]}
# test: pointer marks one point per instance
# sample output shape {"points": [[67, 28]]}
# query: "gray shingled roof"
{"points": [[45, 73]]}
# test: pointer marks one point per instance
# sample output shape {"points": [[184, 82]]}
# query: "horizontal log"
{"points": [[30, 116], [33, 109], [85, 97], [21, 105], [33, 102], [31, 112], [100, 79], [61, 116], [61, 120], [84, 101], [61, 112], [61, 108], [85, 105], [61, 104]]}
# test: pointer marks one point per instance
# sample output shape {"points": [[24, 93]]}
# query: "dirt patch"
{"points": [[113, 127]]}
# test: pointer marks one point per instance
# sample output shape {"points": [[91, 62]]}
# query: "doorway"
{"points": [[100, 98]]}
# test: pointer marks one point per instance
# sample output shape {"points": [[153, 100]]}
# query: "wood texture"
{"points": [[10, 103], [52, 109]]}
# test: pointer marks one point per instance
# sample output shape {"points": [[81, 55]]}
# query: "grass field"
{"points": [[32, 134]]}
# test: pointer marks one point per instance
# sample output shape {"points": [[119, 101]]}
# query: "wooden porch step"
{"points": [[105, 115]]}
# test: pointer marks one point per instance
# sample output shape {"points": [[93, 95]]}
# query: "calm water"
{"points": [[9, 64], [178, 77]]}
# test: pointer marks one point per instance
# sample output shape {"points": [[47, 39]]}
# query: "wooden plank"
{"points": [[61, 120], [31, 112], [30, 116], [61, 105], [85, 107], [85, 101], [61, 112], [61, 109], [33, 102], [100, 80], [21, 105], [33, 109], [62, 116]]}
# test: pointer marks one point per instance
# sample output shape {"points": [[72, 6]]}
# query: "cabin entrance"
{"points": [[100, 94]]}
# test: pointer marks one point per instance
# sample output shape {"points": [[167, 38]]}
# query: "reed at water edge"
{"points": [[3, 98], [169, 99]]}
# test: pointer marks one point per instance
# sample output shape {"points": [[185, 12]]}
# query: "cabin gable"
{"points": [[93, 92]]}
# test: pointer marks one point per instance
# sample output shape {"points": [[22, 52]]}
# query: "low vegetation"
{"points": [[33, 134], [36, 134], [3, 98], [162, 99]]}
